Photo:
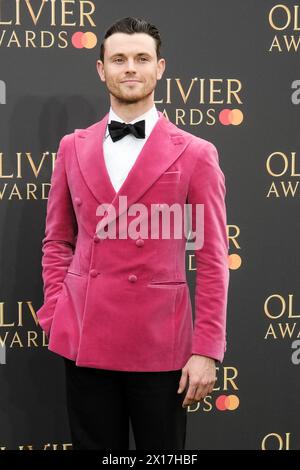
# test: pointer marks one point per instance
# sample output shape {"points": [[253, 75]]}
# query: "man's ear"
{"points": [[161, 68], [100, 70]]}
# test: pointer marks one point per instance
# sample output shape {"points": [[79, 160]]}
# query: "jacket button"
{"points": [[78, 201], [132, 278], [96, 239], [139, 242], [93, 272]]}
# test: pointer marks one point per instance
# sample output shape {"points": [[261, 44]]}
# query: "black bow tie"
{"points": [[118, 129]]}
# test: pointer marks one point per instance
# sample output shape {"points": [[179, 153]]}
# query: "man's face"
{"points": [[130, 57]]}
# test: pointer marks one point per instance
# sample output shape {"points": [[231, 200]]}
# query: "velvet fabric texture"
{"points": [[124, 304]]}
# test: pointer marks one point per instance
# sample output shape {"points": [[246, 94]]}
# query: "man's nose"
{"points": [[130, 65]]}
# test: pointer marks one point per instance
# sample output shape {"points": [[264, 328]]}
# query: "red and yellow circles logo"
{"points": [[234, 261], [227, 402], [231, 116], [82, 40]]}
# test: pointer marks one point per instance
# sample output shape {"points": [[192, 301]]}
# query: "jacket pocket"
{"points": [[169, 177], [167, 283], [73, 273]]}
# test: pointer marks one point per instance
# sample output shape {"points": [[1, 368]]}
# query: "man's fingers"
{"points": [[201, 393], [183, 380], [196, 392], [190, 394]]}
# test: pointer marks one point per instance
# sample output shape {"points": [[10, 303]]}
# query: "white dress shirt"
{"points": [[121, 155]]}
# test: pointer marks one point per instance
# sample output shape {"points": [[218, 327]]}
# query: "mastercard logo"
{"points": [[231, 116], [81, 40], [234, 261], [227, 402]]}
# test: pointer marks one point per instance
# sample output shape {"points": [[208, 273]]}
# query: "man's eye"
{"points": [[119, 59]]}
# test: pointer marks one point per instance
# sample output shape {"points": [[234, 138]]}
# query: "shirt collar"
{"points": [[150, 117]]}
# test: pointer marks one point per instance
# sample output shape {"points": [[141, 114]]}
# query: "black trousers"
{"points": [[101, 402]]}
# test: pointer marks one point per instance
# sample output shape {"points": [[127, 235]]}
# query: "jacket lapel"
{"points": [[163, 146]]}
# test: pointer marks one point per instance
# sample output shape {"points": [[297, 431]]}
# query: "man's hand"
{"points": [[200, 371]]}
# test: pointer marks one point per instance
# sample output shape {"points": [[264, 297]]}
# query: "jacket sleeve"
{"points": [[59, 241], [207, 187]]}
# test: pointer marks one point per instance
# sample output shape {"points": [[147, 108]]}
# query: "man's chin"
{"points": [[129, 98]]}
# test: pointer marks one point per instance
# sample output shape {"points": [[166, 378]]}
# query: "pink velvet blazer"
{"points": [[124, 304]]}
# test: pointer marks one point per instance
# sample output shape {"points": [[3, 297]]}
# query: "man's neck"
{"points": [[131, 111]]}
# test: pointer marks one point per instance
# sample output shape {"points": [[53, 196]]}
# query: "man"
{"points": [[118, 308]]}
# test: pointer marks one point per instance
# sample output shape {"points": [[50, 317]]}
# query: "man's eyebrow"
{"points": [[123, 55]]}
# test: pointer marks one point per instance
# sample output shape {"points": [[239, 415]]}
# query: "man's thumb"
{"points": [[182, 382]]}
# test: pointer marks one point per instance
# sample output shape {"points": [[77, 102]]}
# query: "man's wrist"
{"points": [[209, 357]]}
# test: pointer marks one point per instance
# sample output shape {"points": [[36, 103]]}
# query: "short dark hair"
{"points": [[130, 25]]}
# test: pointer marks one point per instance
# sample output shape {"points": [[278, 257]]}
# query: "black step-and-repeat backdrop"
{"points": [[232, 77]]}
